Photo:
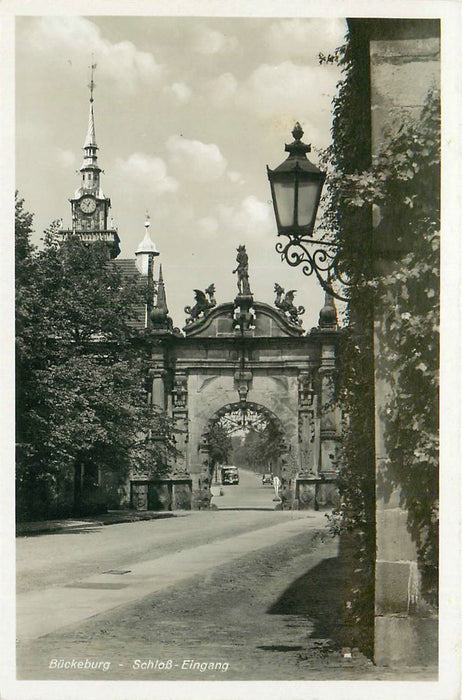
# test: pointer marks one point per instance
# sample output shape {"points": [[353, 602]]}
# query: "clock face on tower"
{"points": [[87, 205]]}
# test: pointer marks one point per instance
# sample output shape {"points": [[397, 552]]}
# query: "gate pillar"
{"points": [[201, 493], [286, 492]]}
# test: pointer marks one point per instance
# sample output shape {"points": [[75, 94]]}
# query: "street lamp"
{"points": [[145, 255], [296, 187]]}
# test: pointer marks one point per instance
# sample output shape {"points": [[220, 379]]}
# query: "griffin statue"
{"points": [[202, 304], [287, 306]]}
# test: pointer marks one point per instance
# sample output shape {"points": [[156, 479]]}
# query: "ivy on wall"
{"points": [[408, 303], [354, 519], [402, 183]]}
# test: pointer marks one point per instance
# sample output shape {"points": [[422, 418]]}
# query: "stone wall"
{"points": [[404, 66]]}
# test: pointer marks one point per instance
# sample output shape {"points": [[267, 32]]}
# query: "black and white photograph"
{"points": [[232, 468]]}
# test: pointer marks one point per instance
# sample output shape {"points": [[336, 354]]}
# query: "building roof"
{"points": [[129, 271]]}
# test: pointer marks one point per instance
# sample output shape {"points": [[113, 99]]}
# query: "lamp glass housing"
{"points": [[296, 186], [308, 198], [296, 198], [284, 202]]}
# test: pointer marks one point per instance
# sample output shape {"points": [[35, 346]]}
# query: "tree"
{"points": [[262, 449], [82, 414], [220, 445]]}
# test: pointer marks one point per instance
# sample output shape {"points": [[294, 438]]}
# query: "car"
{"points": [[267, 479], [229, 474]]}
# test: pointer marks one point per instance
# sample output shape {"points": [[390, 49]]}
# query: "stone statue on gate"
{"points": [[286, 304], [202, 303], [242, 270]]}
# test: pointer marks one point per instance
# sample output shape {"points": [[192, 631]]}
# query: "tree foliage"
{"points": [[404, 181], [261, 449], [81, 400], [220, 445], [349, 155]]}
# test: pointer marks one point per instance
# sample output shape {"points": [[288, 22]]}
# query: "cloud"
{"points": [[179, 91], [208, 227], [142, 170], [235, 177], [76, 38], [222, 90], [209, 41], [65, 157], [305, 38], [202, 162], [252, 217], [249, 218], [285, 92]]}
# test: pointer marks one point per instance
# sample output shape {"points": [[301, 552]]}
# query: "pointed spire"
{"points": [[91, 137], [161, 323], [161, 295], [90, 147]]}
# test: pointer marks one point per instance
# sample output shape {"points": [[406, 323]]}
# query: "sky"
{"points": [[188, 112]]}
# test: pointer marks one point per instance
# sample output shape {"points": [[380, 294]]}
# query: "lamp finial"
{"points": [[297, 131]]}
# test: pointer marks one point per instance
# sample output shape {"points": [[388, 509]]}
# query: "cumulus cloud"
{"points": [[250, 218], [235, 177], [142, 170], [195, 160], [305, 38], [65, 157], [209, 41], [208, 227], [222, 90], [77, 38], [181, 92], [286, 92]]}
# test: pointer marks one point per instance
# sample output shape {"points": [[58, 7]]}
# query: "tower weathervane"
{"points": [[92, 82]]}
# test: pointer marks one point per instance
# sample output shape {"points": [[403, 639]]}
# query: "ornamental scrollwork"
{"points": [[180, 392]]}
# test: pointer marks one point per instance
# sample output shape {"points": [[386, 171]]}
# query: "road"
{"points": [[242, 593], [249, 493]]}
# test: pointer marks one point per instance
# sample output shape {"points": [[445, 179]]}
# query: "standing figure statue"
{"points": [[242, 270]]}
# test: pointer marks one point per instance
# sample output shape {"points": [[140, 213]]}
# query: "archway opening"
{"points": [[245, 444]]}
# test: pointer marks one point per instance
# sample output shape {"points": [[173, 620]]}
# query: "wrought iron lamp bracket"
{"points": [[323, 258]]}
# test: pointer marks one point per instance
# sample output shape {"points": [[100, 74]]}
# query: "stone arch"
{"points": [[205, 479], [249, 406]]}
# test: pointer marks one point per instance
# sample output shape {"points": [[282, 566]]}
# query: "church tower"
{"points": [[89, 206]]}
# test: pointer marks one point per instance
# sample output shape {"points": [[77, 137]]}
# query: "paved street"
{"points": [[249, 493], [233, 594]]}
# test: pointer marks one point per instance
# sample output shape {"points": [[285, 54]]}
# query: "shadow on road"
{"points": [[317, 595], [84, 530]]}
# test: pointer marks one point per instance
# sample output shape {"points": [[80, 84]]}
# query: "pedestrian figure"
{"points": [[277, 485]]}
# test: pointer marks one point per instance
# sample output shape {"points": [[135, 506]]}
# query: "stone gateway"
{"points": [[246, 357]]}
